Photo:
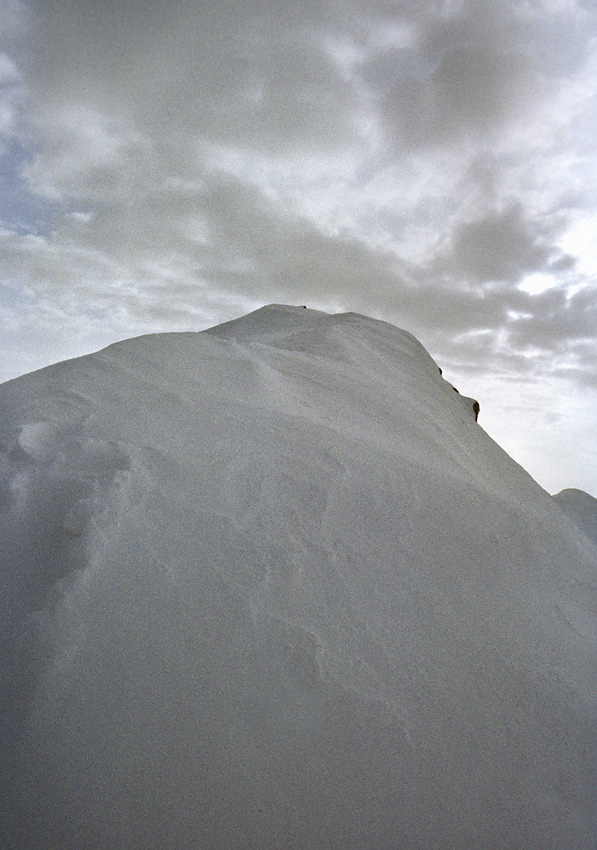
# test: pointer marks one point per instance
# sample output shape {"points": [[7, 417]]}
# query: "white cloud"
{"points": [[536, 283], [581, 241]]}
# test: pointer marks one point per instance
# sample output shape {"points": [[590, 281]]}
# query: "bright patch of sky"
{"points": [[536, 283]]}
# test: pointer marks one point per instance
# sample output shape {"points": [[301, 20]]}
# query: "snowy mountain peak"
{"points": [[350, 337], [271, 320], [333, 334], [270, 586], [581, 508]]}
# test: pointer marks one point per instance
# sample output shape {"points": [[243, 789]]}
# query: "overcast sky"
{"points": [[170, 165]]}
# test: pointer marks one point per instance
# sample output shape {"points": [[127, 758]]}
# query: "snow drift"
{"points": [[271, 586]]}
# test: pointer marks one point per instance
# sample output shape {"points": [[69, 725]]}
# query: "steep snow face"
{"points": [[581, 508], [271, 586]]}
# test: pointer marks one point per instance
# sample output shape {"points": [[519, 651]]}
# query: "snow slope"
{"points": [[581, 508], [271, 586]]}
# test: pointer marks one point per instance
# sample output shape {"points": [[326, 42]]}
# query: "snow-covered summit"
{"points": [[580, 507], [271, 586], [271, 321]]}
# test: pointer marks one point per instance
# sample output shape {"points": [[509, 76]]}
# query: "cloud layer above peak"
{"points": [[172, 165]]}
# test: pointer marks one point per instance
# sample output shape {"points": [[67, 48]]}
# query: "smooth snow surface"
{"points": [[580, 507], [270, 586]]}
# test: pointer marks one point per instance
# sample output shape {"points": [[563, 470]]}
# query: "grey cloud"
{"points": [[229, 71], [183, 242], [414, 160], [248, 252], [562, 263], [136, 106], [261, 74], [501, 246], [539, 338], [472, 68], [288, 254], [466, 91], [465, 73], [558, 320]]}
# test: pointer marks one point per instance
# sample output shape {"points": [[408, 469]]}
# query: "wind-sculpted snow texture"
{"points": [[271, 586]]}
